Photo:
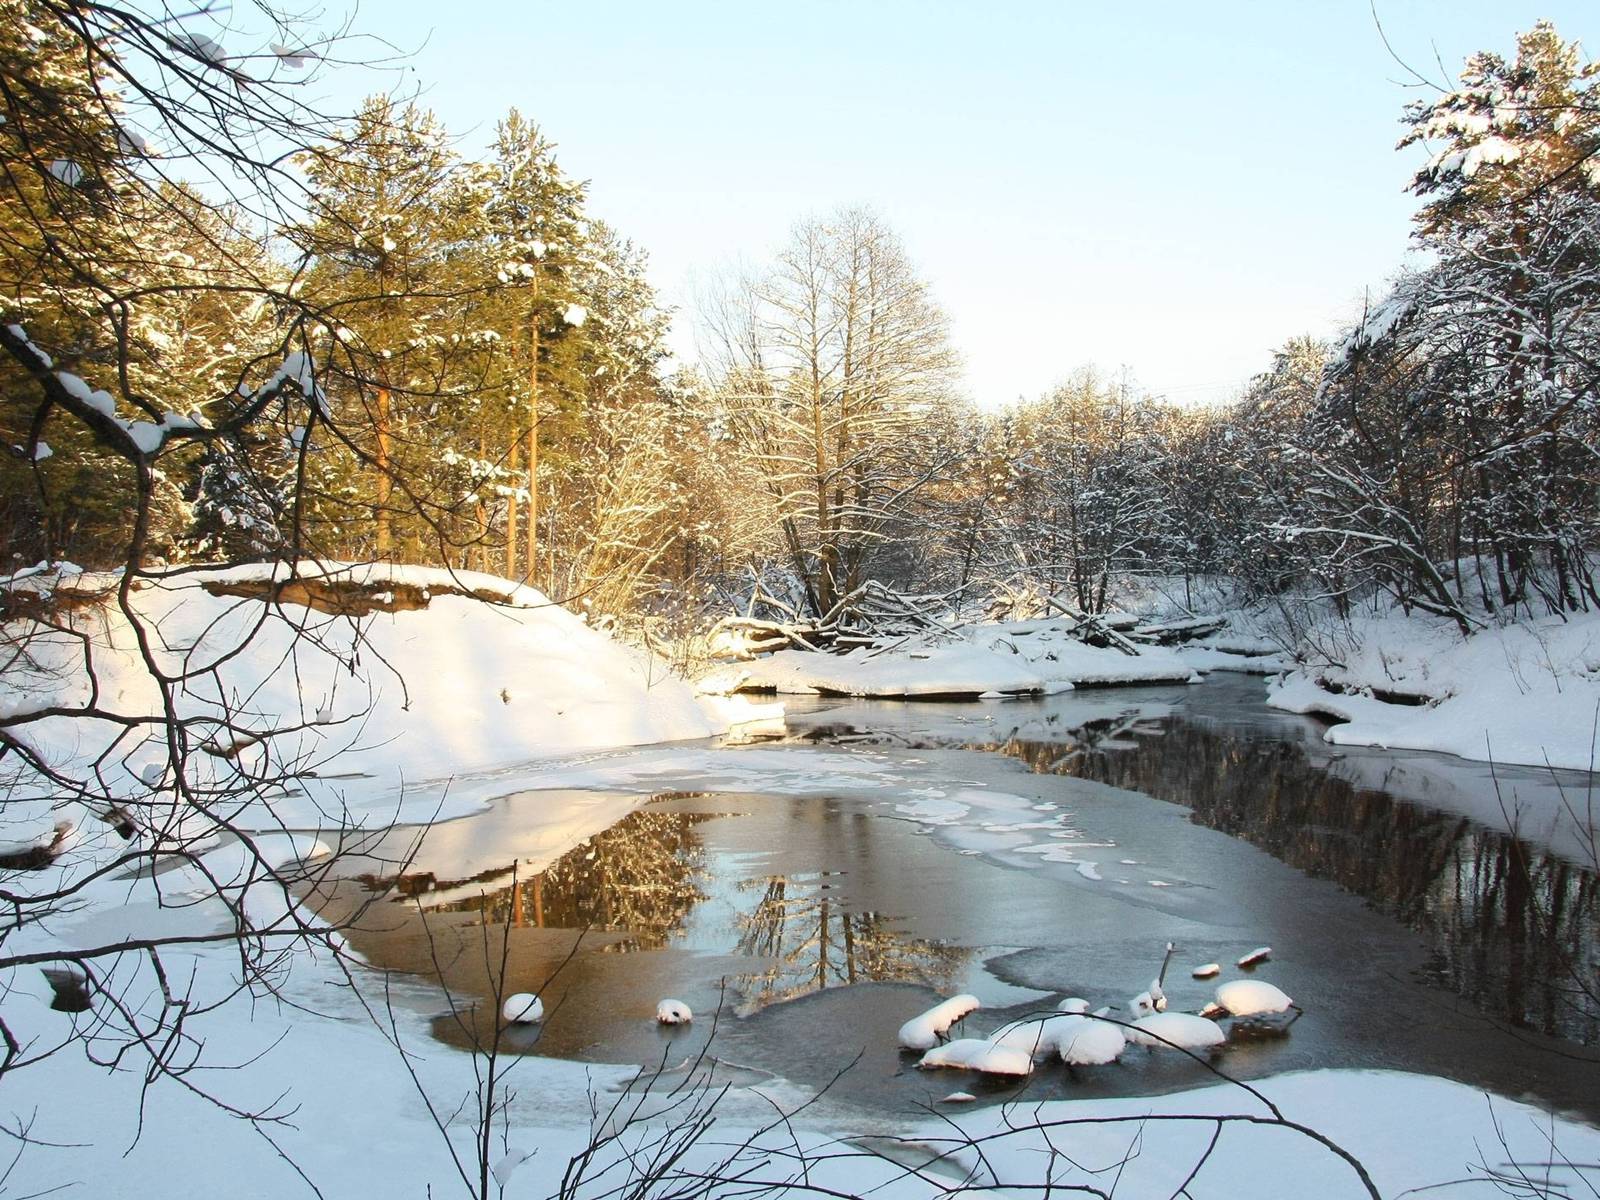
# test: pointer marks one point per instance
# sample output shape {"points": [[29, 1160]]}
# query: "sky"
{"points": [[1174, 188]]}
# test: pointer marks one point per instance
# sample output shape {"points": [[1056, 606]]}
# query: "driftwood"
{"points": [[870, 615], [1175, 633], [877, 617]]}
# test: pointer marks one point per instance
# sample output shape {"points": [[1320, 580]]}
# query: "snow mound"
{"points": [[924, 1032], [979, 1054], [1092, 1043], [1252, 997], [361, 683], [523, 1008], [1170, 1030], [1038, 1036], [673, 1012]]}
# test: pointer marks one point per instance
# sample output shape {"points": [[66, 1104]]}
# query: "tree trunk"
{"points": [[385, 479], [511, 514], [533, 429]]}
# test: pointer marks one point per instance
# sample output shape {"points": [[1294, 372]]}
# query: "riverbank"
{"points": [[909, 845], [359, 1123], [1526, 692]]}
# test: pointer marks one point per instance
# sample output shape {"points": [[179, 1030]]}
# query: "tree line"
{"points": [[421, 356]]}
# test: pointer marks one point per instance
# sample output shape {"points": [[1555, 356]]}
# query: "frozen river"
{"points": [[1429, 914]]}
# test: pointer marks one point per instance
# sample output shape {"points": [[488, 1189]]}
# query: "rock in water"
{"points": [[523, 1008], [673, 1012]]}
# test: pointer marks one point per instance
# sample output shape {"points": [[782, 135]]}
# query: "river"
{"points": [[1428, 914]]}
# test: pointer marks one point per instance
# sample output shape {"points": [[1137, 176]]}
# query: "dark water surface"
{"points": [[1415, 930]]}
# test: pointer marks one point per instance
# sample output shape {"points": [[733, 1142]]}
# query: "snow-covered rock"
{"points": [[1091, 1043], [1039, 1036], [1252, 997], [925, 1031], [673, 1012], [1171, 1030], [979, 1054], [522, 1008]]}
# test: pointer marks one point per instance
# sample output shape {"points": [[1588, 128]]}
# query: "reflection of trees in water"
{"points": [[803, 926], [642, 875], [1513, 928]]}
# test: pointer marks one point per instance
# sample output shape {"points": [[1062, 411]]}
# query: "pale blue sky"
{"points": [[1177, 187]]}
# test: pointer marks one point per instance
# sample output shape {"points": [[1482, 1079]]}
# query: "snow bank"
{"points": [[1526, 693], [988, 661], [375, 685]]}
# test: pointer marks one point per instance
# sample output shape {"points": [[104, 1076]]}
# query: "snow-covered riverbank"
{"points": [[1519, 693], [319, 1057]]}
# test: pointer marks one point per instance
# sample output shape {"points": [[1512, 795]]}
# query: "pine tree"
{"points": [[392, 253]]}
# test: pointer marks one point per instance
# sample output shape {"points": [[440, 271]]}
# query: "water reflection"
{"points": [[1513, 927], [804, 928], [642, 877], [648, 883]]}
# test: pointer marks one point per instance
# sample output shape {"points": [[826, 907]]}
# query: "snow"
{"points": [[1092, 1043], [523, 1008], [506, 1165], [1176, 1031], [1521, 693], [1252, 997], [450, 700], [290, 57], [101, 401], [1259, 955], [924, 1031], [991, 661], [207, 49], [953, 1054], [981, 1055], [344, 1074], [1374, 1115], [1039, 1036], [575, 315], [1207, 971], [673, 1012]]}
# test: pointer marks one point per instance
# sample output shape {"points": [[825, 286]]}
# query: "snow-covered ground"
{"points": [[378, 715], [1520, 693], [1040, 657], [465, 701], [354, 1124]]}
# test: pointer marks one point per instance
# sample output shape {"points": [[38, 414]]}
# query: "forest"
{"points": [[395, 352], [382, 798]]}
